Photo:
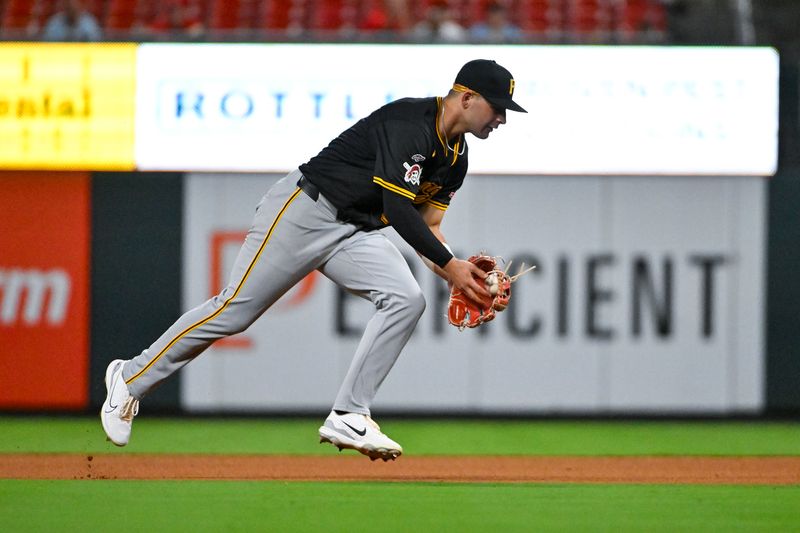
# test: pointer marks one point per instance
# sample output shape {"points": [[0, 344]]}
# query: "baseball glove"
{"points": [[463, 312]]}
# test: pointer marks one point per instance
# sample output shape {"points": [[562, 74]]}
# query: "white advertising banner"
{"points": [[592, 110], [648, 297]]}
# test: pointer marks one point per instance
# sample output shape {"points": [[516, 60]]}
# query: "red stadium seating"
{"points": [[543, 20], [224, 14], [120, 14], [17, 14], [636, 18], [281, 14], [538, 16], [587, 18]]}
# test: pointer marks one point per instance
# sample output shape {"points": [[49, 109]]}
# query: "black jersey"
{"points": [[398, 147]]}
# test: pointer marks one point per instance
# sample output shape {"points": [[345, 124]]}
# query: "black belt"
{"points": [[309, 188]]}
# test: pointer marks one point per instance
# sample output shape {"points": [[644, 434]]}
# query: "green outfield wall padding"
{"points": [[783, 256], [783, 294], [136, 271]]}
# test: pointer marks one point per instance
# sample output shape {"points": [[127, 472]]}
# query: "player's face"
{"points": [[485, 118]]}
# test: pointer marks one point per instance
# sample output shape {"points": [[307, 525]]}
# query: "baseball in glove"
{"points": [[463, 312]]}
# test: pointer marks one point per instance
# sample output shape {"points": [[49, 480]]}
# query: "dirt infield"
{"points": [[488, 469]]}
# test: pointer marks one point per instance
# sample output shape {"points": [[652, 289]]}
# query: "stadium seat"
{"points": [[330, 15], [538, 16], [17, 14], [281, 14], [224, 14], [543, 20], [588, 19], [639, 20], [120, 14]]}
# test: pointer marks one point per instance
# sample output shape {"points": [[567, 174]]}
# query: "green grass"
{"points": [[385, 507], [155, 506], [419, 437]]}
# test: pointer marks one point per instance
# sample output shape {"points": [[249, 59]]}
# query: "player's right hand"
{"points": [[467, 277]]}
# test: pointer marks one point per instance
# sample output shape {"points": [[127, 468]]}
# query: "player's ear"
{"points": [[467, 99]]}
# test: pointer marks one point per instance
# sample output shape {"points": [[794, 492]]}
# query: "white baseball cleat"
{"points": [[119, 408], [361, 433]]}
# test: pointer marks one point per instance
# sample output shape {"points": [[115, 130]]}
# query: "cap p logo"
{"points": [[490, 80]]}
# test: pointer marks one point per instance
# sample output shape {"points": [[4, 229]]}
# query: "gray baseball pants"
{"points": [[292, 235]]}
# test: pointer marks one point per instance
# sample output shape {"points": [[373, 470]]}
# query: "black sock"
{"points": [[340, 413]]}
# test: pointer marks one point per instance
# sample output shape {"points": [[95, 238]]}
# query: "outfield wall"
{"points": [[648, 297]]}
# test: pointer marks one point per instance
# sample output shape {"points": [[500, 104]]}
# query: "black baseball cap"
{"points": [[490, 80]]}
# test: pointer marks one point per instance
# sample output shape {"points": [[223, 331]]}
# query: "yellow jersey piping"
{"points": [[394, 188], [442, 140], [228, 301], [437, 205], [439, 104]]}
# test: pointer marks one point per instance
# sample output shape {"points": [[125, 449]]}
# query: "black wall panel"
{"points": [[783, 256], [136, 271]]}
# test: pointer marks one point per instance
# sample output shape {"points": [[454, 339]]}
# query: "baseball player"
{"points": [[399, 166]]}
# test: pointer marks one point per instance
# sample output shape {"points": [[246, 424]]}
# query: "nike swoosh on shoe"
{"points": [[111, 393], [360, 433]]}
